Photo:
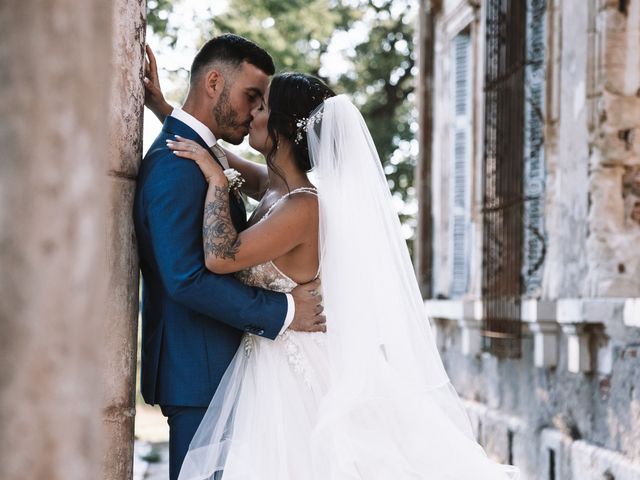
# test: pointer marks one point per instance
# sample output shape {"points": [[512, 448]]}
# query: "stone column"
{"points": [[124, 154], [614, 173], [54, 92]]}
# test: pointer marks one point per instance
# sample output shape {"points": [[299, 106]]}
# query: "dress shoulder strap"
{"points": [[302, 189], [297, 190]]}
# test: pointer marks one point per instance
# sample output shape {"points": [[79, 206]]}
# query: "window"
{"points": [[502, 208], [513, 189], [460, 186]]}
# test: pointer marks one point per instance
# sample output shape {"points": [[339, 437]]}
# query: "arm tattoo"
{"points": [[219, 236]]}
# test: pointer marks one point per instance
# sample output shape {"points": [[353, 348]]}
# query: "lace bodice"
{"points": [[267, 275]]}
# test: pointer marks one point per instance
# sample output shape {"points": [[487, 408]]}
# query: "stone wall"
{"points": [[71, 103], [516, 396], [614, 146], [124, 155], [569, 408], [567, 151], [54, 92]]}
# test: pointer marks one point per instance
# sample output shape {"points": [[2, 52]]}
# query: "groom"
{"points": [[192, 319]]}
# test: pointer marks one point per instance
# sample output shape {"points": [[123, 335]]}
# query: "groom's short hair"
{"points": [[232, 50]]}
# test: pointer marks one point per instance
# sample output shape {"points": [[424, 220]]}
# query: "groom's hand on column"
{"points": [[308, 316], [153, 97]]}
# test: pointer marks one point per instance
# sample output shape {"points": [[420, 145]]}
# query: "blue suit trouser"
{"points": [[183, 423]]}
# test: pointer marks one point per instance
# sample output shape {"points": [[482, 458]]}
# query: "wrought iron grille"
{"points": [[502, 283]]}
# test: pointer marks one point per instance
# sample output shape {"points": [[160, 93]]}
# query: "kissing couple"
{"points": [[260, 376]]}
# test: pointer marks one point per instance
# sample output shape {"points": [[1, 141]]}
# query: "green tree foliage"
{"points": [[157, 17], [296, 32], [380, 77], [384, 72]]}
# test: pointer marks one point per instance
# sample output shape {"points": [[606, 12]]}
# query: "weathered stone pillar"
{"points": [[125, 148], [614, 179], [54, 92]]}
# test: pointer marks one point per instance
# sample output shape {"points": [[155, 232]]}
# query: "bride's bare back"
{"points": [[301, 263]]}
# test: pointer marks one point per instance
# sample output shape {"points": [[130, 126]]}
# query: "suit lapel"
{"points": [[172, 127]]}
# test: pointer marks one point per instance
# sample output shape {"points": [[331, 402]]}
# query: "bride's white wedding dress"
{"points": [[266, 407], [369, 400]]}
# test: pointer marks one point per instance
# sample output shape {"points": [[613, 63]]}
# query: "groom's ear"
{"points": [[214, 83]]}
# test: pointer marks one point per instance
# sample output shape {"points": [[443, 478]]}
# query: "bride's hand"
{"points": [[186, 148]]}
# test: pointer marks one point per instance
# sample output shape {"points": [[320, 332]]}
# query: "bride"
{"points": [[368, 400]]}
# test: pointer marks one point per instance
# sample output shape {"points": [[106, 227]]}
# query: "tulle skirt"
{"points": [[271, 419], [260, 420]]}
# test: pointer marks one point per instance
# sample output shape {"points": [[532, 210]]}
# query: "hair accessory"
{"points": [[303, 125]]}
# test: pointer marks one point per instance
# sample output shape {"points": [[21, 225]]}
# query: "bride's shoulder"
{"points": [[306, 199], [302, 204]]}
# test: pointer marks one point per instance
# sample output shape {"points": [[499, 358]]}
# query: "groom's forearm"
{"points": [[226, 300]]}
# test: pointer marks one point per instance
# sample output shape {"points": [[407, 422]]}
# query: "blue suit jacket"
{"points": [[192, 319]]}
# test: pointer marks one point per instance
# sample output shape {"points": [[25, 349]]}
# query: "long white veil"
{"points": [[390, 411]]}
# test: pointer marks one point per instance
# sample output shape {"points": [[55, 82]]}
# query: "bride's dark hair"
{"points": [[292, 98]]}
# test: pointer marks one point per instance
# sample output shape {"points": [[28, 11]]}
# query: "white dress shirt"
{"points": [[210, 139]]}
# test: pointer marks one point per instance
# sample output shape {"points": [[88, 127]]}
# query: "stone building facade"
{"points": [[528, 245]]}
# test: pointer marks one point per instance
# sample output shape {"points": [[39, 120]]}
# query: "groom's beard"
{"points": [[233, 131]]}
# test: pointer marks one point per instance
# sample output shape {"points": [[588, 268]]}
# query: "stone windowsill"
{"points": [[545, 320], [562, 311]]}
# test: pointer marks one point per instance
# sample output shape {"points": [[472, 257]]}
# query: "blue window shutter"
{"points": [[460, 172]]}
